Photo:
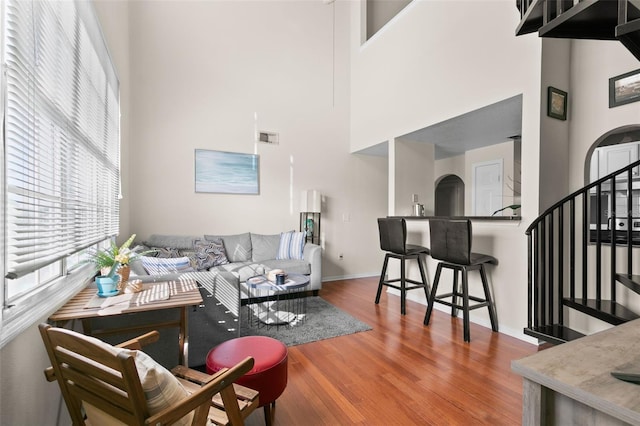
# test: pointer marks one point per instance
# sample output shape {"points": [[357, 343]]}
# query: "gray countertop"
{"points": [[581, 369], [473, 218]]}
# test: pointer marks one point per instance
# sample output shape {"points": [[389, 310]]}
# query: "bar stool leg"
{"points": [[382, 275], [403, 287], [455, 292], [487, 296], [465, 304], [423, 275], [432, 298]]}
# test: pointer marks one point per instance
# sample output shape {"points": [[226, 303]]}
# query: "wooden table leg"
{"points": [[183, 339], [532, 403]]}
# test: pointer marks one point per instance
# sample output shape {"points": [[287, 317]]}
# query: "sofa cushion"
{"points": [[209, 254], [291, 245], [264, 247], [243, 270], [289, 266], [238, 246]]}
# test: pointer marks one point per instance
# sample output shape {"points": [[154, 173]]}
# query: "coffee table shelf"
{"points": [[272, 304]]}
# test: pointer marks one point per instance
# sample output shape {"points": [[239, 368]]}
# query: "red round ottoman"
{"points": [[269, 373]]}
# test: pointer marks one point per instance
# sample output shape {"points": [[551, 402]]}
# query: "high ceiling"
{"points": [[486, 126]]}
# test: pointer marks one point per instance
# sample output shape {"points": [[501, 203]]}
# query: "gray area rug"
{"points": [[322, 321]]}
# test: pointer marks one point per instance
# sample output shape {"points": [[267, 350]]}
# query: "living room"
{"points": [[208, 75]]}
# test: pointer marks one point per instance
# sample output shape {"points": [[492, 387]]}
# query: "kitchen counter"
{"points": [[571, 384], [473, 218]]}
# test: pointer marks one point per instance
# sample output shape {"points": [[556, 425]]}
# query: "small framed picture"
{"points": [[557, 103], [624, 88]]}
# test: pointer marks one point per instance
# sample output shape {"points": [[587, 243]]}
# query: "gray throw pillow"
{"points": [[238, 247], [209, 254], [264, 247]]}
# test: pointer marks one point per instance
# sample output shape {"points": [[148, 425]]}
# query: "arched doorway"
{"points": [[612, 151], [449, 196]]}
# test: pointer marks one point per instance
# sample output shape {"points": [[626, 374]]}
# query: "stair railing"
{"points": [[562, 269]]}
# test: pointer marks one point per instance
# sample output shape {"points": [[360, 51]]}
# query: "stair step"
{"points": [[588, 19], [630, 281], [554, 334], [532, 19], [629, 35], [604, 310]]}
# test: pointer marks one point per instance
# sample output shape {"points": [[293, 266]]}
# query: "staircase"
{"points": [[583, 19], [570, 261]]}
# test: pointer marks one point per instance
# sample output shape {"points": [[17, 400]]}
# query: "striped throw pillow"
{"points": [[291, 245], [161, 388], [159, 266]]}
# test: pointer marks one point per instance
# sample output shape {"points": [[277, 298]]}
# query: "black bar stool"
{"points": [[451, 244], [393, 240]]}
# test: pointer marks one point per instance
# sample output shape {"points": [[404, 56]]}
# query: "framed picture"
{"points": [[226, 172], [624, 89], [557, 103]]}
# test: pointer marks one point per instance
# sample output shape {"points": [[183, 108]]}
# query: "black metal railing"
{"points": [[573, 250]]}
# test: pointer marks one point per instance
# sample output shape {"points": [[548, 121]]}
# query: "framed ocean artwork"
{"points": [[227, 172]]}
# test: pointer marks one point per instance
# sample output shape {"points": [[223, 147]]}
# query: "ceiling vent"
{"points": [[268, 137]]}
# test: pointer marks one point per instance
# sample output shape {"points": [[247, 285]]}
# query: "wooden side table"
{"points": [[182, 294]]}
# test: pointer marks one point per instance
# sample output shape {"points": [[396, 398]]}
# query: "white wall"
{"points": [[413, 175], [554, 133], [450, 166], [437, 60], [592, 64], [201, 72]]}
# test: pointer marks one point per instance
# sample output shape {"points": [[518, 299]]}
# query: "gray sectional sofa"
{"points": [[249, 254]]}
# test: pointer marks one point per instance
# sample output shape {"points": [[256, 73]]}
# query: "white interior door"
{"points": [[487, 187]]}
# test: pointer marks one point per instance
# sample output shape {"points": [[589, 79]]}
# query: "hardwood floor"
{"points": [[401, 372]]}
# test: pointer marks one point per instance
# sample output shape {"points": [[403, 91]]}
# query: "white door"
{"points": [[487, 187], [615, 157]]}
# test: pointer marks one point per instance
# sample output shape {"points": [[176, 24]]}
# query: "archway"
{"points": [[611, 152], [449, 196]]}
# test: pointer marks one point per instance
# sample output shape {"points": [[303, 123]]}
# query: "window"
{"points": [[60, 153]]}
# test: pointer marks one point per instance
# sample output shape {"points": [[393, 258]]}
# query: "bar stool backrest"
{"points": [[393, 234], [451, 240]]}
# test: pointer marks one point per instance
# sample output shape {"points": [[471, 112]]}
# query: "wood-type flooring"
{"points": [[401, 372]]}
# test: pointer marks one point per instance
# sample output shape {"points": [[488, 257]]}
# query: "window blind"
{"points": [[62, 136]]}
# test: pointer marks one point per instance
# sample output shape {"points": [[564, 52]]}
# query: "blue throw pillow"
{"points": [[291, 245]]}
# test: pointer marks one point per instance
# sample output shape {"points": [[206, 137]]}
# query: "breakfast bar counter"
{"points": [[571, 384]]}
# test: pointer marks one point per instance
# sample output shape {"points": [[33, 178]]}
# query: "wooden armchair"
{"points": [[119, 385]]}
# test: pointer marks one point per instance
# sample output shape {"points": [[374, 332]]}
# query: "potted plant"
{"points": [[116, 259]]}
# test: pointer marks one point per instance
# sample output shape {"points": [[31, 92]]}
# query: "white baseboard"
{"points": [[349, 277]]}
